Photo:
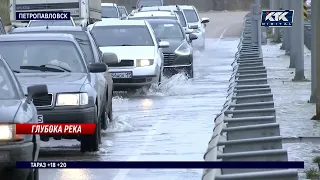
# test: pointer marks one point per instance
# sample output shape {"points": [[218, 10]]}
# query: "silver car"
{"points": [[139, 52], [193, 19]]}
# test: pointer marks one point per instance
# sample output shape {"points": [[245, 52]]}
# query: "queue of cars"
{"points": [[59, 72]]}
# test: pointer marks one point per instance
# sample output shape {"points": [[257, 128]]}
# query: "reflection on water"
{"points": [[74, 174], [146, 103]]}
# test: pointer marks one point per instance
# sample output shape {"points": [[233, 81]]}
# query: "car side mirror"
{"points": [[194, 27], [193, 37], [205, 20], [189, 31], [110, 58], [36, 91], [98, 67], [164, 44]]}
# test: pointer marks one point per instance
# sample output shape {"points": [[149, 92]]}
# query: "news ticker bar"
{"points": [[161, 164], [42, 15], [56, 129]]}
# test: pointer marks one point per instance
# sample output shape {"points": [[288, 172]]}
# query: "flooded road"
{"points": [[172, 122]]}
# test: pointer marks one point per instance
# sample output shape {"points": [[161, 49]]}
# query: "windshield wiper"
{"points": [[65, 69], [127, 45], [45, 68], [16, 71]]}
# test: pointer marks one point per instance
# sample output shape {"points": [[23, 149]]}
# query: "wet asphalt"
{"points": [[170, 122]]}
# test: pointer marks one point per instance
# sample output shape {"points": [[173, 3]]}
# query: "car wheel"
{"points": [[190, 71], [110, 114], [90, 143], [33, 175]]}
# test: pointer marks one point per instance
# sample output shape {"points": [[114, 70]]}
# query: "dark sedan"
{"points": [[77, 90], [180, 53], [91, 51], [16, 108]]}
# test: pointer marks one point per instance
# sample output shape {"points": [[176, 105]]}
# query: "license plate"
{"points": [[40, 118], [121, 75]]}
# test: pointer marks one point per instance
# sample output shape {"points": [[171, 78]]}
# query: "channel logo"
{"points": [[282, 18]]}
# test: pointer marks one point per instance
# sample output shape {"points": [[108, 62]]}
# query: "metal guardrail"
{"points": [[246, 128]]}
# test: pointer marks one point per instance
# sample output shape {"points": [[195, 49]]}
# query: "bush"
{"points": [[314, 173], [5, 12]]}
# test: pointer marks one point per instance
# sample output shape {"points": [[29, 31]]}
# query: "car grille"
{"points": [[45, 100], [169, 59], [123, 63]]}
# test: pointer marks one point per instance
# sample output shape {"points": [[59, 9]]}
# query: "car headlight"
{"points": [[144, 62], [75, 99], [183, 50], [8, 132]]}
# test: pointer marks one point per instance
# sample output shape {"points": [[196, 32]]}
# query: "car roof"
{"points": [[50, 28], [186, 7], [162, 20], [159, 8], [152, 13], [121, 23], [108, 4], [38, 37]]}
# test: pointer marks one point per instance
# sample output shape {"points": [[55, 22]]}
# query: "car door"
{"points": [[108, 82], [100, 76]]}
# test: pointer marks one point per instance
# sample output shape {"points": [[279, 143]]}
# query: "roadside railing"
{"points": [[246, 128]]}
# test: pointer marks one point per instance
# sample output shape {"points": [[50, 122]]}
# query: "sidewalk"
{"points": [[291, 103]]}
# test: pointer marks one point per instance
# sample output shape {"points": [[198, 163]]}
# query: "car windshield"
{"points": [[153, 17], [7, 88], [122, 36], [109, 12], [167, 30], [51, 23], [42, 56], [191, 15], [81, 37], [182, 19], [149, 3]]}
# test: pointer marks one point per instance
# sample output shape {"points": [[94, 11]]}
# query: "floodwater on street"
{"points": [[172, 122]]}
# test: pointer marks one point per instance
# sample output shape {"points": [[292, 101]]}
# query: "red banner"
{"points": [[55, 129]]}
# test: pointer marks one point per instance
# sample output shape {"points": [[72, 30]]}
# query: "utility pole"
{"points": [[315, 36], [298, 33], [283, 45], [314, 19], [256, 24], [287, 31], [276, 31], [292, 36]]}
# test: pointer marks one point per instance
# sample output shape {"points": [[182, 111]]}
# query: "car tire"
{"points": [[160, 79], [189, 71], [110, 114], [90, 143], [33, 175]]}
